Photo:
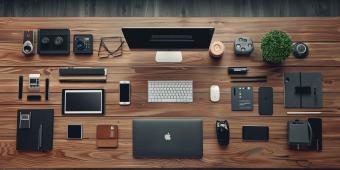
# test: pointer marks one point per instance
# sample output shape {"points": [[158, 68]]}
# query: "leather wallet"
{"points": [[107, 136]]}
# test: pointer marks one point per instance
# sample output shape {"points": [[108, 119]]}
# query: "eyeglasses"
{"points": [[106, 42]]}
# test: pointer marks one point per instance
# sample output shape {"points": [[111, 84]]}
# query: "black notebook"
{"points": [[35, 130]]}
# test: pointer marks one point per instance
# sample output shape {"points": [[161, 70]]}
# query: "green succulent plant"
{"points": [[276, 46]]}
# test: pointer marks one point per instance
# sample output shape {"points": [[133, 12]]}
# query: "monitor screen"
{"points": [[163, 38], [83, 101]]}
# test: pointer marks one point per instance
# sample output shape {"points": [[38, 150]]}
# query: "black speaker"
{"points": [[300, 50]]}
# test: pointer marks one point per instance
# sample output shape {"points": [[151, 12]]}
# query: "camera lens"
{"points": [[80, 45], [301, 48], [27, 49]]}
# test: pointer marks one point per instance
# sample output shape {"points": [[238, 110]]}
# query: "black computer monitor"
{"points": [[168, 40]]}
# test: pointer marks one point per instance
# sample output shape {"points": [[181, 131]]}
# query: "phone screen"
{"points": [[255, 133], [124, 92]]}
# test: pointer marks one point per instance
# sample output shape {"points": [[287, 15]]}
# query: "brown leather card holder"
{"points": [[107, 136]]}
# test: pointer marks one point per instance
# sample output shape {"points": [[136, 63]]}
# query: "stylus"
{"points": [[249, 80], [298, 113], [47, 84], [40, 137], [248, 77]]}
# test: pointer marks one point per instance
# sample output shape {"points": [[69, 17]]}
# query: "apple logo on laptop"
{"points": [[167, 136]]}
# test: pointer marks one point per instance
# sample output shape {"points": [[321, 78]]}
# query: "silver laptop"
{"points": [[167, 138]]}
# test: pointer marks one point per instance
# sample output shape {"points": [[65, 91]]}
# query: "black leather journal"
{"points": [[303, 90], [35, 130]]}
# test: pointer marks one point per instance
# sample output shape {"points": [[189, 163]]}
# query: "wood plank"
{"points": [[84, 154]]}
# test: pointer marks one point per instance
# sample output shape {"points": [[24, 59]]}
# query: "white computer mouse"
{"points": [[214, 93]]}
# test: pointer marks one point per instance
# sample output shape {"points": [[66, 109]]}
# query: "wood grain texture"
{"points": [[168, 8], [138, 67]]}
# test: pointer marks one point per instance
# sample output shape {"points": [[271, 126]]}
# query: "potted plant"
{"points": [[276, 46]]}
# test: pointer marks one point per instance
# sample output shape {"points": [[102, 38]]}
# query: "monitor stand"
{"points": [[169, 56]]}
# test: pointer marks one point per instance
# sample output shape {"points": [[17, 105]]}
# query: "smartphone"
{"points": [[255, 133], [124, 92]]}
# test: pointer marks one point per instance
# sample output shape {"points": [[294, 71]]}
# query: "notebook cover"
{"points": [[313, 100], [27, 139], [107, 136], [291, 99]]}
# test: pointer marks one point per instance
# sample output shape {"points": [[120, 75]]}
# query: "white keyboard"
{"points": [[179, 91]]}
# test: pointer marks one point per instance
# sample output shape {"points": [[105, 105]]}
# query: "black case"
{"points": [[50, 48], [29, 139], [316, 125], [266, 100], [303, 90]]}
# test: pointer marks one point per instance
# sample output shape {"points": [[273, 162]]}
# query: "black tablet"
{"points": [[83, 101]]}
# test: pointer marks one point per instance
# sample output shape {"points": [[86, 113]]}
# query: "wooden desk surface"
{"points": [[321, 34]]}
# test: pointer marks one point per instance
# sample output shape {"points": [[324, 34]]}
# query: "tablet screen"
{"points": [[83, 102]]}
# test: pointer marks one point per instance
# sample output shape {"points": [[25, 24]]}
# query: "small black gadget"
{"points": [[242, 98], [243, 46], [83, 44], [74, 131], [255, 133], [47, 86], [265, 100], [222, 132], [300, 50], [82, 71], [316, 125], [54, 41], [83, 101], [237, 70], [33, 97], [21, 85]]}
